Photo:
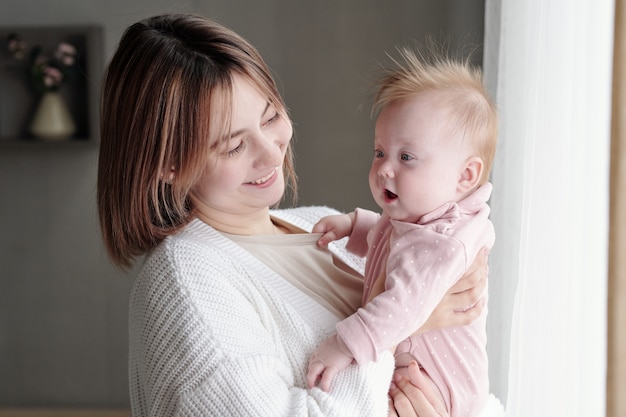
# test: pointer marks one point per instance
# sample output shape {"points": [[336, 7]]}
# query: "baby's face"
{"points": [[418, 158]]}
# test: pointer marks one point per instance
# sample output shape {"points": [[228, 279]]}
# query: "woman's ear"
{"points": [[167, 176], [471, 174]]}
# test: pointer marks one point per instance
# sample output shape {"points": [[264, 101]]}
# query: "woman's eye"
{"points": [[274, 119], [234, 151]]}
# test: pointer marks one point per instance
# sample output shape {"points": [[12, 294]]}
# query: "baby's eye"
{"points": [[406, 157], [378, 153]]}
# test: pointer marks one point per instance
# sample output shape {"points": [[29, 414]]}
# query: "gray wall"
{"points": [[62, 305]]}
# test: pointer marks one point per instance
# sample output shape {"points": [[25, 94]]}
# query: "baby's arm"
{"points": [[328, 359], [334, 227], [332, 355]]}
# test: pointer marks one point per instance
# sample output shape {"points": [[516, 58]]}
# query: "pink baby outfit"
{"points": [[421, 262]]}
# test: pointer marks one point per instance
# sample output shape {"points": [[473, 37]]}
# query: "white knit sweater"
{"points": [[214, 332]]}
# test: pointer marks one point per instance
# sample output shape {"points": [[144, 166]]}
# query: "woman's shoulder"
{"points": [[186, 258], [191, 244]]}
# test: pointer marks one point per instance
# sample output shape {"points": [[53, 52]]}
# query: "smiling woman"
{"points": [[248, 174], [264, 128]]}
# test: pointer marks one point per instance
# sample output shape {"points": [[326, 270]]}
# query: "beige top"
{"points": [[311, 269]]}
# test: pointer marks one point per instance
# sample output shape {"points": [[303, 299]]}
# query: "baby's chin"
{"points": [[401, 215]]}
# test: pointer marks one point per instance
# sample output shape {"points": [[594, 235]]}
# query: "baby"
{"points": [[435, 139]]}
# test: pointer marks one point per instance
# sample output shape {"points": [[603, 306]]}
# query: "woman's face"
{"points": [[248, 175]]}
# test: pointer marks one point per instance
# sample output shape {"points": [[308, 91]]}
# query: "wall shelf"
{"points": [[18, 97]]}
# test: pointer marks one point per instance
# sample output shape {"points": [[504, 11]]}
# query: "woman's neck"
{"points": [[257, 223]]}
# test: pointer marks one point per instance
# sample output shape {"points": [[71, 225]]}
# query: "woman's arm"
{"points": [[464, 301]]}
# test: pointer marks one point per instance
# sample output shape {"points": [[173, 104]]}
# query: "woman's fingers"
{"points": [[418, 379], [475, 275], [470, 289], [392, 408], [409, 401], [414, 395]]}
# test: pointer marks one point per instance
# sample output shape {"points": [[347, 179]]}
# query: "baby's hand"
{"points": [[334, 227], [326, 362]]}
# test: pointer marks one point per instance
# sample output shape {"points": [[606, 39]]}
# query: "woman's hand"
{"points": [[412, 395], [464, 301]]}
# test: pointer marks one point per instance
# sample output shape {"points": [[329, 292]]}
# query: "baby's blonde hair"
{"points": [[430, 69]]}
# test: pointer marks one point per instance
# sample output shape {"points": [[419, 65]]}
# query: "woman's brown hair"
{"points": [[155, 119]]}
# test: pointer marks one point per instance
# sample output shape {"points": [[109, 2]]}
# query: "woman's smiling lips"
{"points": [[266, 180]]}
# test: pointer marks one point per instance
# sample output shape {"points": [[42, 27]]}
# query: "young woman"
{"points": [[232, 296]]}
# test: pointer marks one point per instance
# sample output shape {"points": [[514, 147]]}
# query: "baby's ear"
{"points": [[470, 175]]}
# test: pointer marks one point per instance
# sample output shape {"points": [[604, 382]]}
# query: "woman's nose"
{"points": [[270, 150]]}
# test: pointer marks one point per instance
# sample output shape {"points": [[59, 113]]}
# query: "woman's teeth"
{"points": [[264, 179]]}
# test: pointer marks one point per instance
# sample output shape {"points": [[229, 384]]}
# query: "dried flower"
{"points": [[47, 73], [16, 47]]}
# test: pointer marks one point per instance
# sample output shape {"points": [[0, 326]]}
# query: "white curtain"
{"points": [[548, 63]]}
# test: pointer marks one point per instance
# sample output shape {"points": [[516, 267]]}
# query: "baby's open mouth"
{"points": [[390, 196]]}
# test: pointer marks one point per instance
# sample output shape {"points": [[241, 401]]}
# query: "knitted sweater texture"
{"points": [[215, 332]]}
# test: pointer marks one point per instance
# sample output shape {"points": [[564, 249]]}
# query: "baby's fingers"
{"points": [[315, 370], [326, 238], [327, 377]]}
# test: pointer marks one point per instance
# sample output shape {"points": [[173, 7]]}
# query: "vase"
{"points": [[52, 119]]}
